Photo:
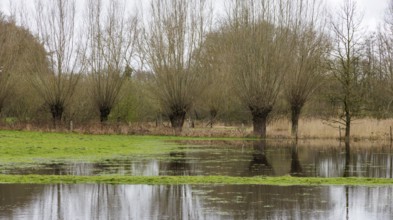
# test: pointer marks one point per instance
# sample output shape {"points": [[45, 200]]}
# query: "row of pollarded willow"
{"points": [[255, 41], [263, 49], [101, 47], [274, 44]]}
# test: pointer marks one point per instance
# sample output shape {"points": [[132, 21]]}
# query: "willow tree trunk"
{"points": [[259, 119], [177, 117], [57, 113], [104, 113], [295, 115]]}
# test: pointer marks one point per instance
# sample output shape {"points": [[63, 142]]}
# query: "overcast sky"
{"points": [[374, 10]]}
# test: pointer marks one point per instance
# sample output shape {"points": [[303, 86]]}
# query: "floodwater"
{"points": [[101, 201], [231, 158], [238, 158]]}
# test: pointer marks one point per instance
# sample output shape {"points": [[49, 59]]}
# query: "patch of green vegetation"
{"points": [[30, 147], [24, 148], [180, 180]]}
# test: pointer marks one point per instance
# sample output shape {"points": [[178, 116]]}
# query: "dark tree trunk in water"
{"points": [[347, 159], [57, 113], [104, 113], [347, 126], [259, 164], [259, 119], [177, 117], [296, 168], [295, 115]]}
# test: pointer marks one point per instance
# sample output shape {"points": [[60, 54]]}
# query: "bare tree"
{"points": [[307, 58], [259, 44], [112, 39], [384, 44], [346, 63], [55, 78], [174, 33]]}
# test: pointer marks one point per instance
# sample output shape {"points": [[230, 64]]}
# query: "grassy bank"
{"points": [[177, 180]]}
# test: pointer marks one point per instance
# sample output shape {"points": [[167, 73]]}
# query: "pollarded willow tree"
{"points": [[174, 33], [111, 40], [308, 56], [55, 78], [259, 46]]}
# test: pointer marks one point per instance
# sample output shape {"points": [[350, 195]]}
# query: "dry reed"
{"points": [[362, 129]]}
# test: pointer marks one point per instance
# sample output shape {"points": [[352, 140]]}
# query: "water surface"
{"points": [[236, 158], [102, 201]]}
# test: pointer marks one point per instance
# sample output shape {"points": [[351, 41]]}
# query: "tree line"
{"points": [[261, 60]]}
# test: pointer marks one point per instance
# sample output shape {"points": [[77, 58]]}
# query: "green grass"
{"points": [[176, 180], [30, 147]]}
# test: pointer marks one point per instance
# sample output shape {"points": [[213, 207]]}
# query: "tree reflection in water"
{"points": [[296, 167], [178, 164], [347, 171], [100, 201], [259, 164], [107, 202]]}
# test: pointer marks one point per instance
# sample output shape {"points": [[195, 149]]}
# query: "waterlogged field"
{"points": [[35, 147], [72, 155], [47, 173]]}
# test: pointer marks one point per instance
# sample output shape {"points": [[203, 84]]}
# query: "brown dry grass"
{"points": [[367, 128], [362, 129]]}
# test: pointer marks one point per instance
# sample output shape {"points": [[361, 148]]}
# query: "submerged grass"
{"points": [[180, 180]]}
